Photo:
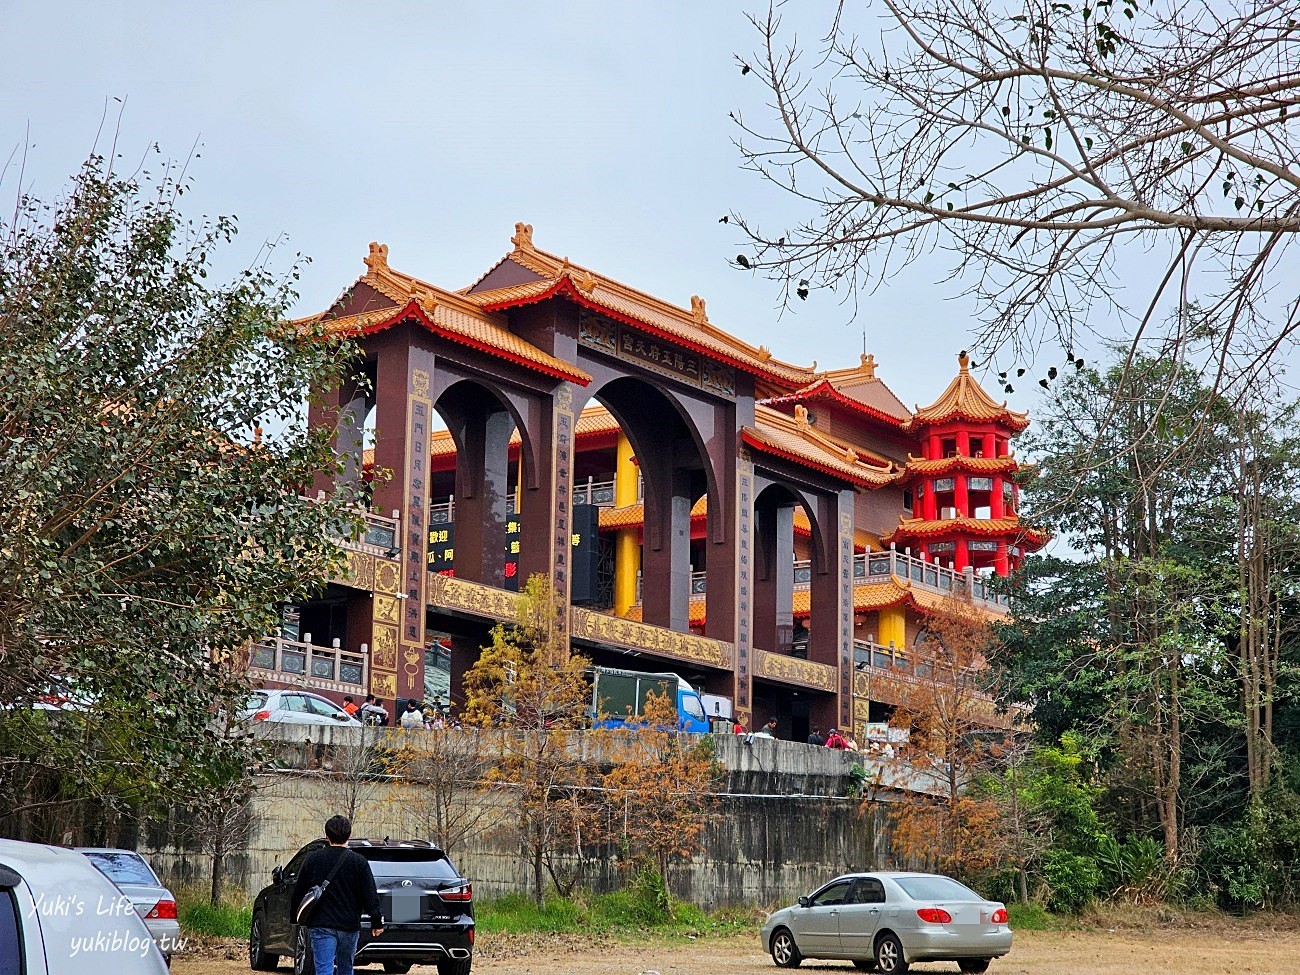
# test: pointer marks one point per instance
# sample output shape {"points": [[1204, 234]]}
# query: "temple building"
{"points": [[774, 533]]}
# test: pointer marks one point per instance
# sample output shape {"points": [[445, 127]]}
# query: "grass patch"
{"points": [[1030, 917], [626, 911], [230, 919]]}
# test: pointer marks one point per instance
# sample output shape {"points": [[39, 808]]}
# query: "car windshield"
{"points": [[409, 863], [123, 868], [936, 889]]}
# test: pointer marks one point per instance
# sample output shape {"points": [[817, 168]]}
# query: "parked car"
{"points": [[427, 904], [295, 707], [133, 876], [886, 921], [61, 916]]}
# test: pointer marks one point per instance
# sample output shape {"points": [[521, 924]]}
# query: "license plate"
{"points": [[406, 906]]}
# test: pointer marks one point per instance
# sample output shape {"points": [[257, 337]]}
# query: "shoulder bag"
{"points": [[314, 894]]}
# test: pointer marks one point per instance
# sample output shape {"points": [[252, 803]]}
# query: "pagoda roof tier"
{"points": [[856, 390], [527, 275], [944, 527], [633, 516], [444, 313], [793, 438], [920, 467], [965, 399]]}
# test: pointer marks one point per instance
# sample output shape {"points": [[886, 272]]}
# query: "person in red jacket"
{"points": [[835, 740]]}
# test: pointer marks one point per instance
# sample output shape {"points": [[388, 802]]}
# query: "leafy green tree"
{"points": [[152, 446]]}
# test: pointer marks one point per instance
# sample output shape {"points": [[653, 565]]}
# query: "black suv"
{"points": [[427, 904]]}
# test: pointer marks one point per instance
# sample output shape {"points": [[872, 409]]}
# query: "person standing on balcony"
{"points": [[816, 737], [350, 706], [372, 712], [835, 740], [412, 717]]}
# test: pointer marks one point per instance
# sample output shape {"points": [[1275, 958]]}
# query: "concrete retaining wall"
{"points": [[782, 826]]}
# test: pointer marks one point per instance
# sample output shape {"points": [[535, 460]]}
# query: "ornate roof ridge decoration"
{"points": [[917, 466], [794, 438], [825, 389], [442, 312], [965, 398], [921, 527], [561, 277]]}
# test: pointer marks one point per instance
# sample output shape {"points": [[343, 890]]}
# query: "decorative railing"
{"points": [[873, 567], [591, 491], [326, 668], [379, 537]]}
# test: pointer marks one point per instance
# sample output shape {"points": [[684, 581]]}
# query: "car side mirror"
{"points": [[804, 901], [277, 874]]}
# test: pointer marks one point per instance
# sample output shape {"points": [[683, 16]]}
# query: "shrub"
{"points": [[1072, 880], [1029, 917]]}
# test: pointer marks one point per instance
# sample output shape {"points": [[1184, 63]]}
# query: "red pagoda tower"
{"points": [[964, 490]]}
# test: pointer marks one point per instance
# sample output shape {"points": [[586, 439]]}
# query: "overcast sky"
{"points": [[434, 126]]}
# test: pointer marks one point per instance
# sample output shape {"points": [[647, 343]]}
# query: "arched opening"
{"points": [[656, 458]]}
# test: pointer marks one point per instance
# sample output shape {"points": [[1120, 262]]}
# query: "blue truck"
{"points": [[618, 698]]}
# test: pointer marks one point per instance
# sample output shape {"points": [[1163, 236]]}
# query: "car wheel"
{"points": [[785, 952], [974, 966], [864, 964], [454, 966], [259, 960], [397, 967], [302, 963], [889, 955]]}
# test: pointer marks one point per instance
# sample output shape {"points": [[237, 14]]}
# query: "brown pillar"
{"points": [[666, 562], [482, 437], [403, 423], [773, 616]]}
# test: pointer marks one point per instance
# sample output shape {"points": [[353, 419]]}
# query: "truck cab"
{"points": [[618, 698]]}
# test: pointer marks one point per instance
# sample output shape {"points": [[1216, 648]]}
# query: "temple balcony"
{"points": [[302, 664], [876, 568], [591, 491]]}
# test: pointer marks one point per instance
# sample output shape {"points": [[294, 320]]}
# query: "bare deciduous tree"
{"points": [[1052, 148]]}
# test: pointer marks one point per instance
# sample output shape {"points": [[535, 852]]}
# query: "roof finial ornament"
{"points": [[378, 259], [964, 361], [523, 238], [801, 415], [869, 366], [697, 310], [424, 297], [764, 353]]}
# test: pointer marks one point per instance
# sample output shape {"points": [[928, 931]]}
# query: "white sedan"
{"points": [[886, 921], [295, 707], [61, 916]]}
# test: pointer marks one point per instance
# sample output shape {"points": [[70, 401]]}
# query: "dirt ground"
{"points": [[1216, 948]]}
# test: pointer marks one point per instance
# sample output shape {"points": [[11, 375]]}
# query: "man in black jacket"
{"points": [[334, 922]]}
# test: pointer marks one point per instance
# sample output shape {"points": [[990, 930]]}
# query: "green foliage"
{"points": [[1072, 880], [624, 911], [148, 530], [229, 919], [1029, 917], [1134, 870]]}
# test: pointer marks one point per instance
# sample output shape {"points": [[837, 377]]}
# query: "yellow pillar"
{"points": [[627, 549], [893, 626]]}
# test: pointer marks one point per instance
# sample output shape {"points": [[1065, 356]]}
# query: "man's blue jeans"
{"points": [[328, 944]]}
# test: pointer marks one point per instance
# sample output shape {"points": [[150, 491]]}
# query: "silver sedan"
{"points": [[886, 921]]}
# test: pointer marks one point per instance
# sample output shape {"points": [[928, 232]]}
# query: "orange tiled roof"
{"points": [[966, 399], [794, 438], [690, 328], [917, 466], [919, 527], [444, 313], [855, 388], [594, 419]]}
